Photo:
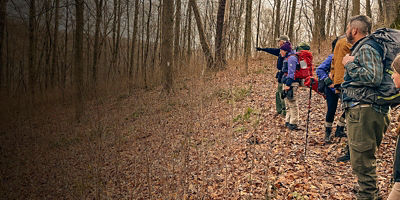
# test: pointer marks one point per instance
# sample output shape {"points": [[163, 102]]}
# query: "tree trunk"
{"points": [[32, 48], [96, 47], [381, 13], [167, 44], [356, 7], [78, 72], [54, 62], [189, 46], [322, 11], [346, 13], [368, 8], [132, 59], [238, 28], [203, 42], [177, 34], [328, 25], [3, 20], [258, 22], [219, 60], [144, 68], [247, 34], [277, 19], [392, 18], [292, 19], [157, 37]]}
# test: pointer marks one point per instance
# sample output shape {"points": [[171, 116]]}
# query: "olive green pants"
{"points": [[365, 129], [280, 103]]}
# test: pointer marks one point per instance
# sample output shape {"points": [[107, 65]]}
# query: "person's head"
{"points": [[396, 71], [358, 27], [282, 39], [334, 44], [303, 46], [285, 47]]}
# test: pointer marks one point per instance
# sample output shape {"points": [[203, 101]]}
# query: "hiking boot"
{"points": [[346, 156], [293, 127], [340, 132], [328, 131]]}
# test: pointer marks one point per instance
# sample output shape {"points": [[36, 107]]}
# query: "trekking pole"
{"points": [[308, 116]]}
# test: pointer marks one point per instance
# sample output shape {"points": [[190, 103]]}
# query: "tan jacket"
{"points": [[337, 69]]}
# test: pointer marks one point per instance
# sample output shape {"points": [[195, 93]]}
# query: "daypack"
{"points": [[304, 69], [387, 42]]}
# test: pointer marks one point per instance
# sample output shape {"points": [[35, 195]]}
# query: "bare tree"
{"points": [[356, 7], [32, 48], [132, 58], [368, 8], [346, 13], [96, 47], [247, 34], [328, 24], [203, 41], [177, 33], [220, 62], [167, 44], [392, 17], [277, 18], [78, 72], [291, 24], [3, 14], [258, 22]]}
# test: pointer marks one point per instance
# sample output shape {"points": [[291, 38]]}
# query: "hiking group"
{"points": [[363, 73]]}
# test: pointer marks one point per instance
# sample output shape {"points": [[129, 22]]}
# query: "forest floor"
{"points": [[215, 137]]}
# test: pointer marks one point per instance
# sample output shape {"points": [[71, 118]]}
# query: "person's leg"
{"points": [[365, 131], [279, 102], [293, 108], [331, 101]]}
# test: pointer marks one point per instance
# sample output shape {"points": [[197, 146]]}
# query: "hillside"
{"points": [[216, 137]]}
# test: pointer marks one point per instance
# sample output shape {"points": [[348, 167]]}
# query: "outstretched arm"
{"points": [[273, 51]]}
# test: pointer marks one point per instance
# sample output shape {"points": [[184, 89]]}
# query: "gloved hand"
{"points": [[321, 86], [258, 48], [328, 81], [283, 94]]}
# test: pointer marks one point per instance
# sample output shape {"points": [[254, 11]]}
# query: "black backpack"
{"points": [[387, 42]]}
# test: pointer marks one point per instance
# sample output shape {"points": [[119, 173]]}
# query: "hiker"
{"points": [[395, 193], [290, 85], [336, 75], [324, 82], [366, 121], [279, 102]]}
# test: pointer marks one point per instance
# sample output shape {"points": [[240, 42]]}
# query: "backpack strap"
{"points": [[378, 47]]}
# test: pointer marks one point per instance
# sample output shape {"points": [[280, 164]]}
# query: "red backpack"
{"points": [[305, 67]]}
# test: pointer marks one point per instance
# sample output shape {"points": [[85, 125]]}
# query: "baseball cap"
{"points": [[283, 38]]}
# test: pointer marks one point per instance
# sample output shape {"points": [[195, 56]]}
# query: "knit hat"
{"points": [[303, 46], [286, 46], [283, 38]]}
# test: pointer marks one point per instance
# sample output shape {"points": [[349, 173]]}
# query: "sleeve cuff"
{"points": [[289, 81]]}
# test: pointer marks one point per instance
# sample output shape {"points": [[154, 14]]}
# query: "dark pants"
{"points": [[332, 102]]}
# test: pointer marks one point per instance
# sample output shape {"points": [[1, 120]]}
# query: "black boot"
{"points": [[328, 131], [340, 132], [346, 156]]}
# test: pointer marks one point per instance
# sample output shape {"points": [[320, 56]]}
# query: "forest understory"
{"points": [[216, 137]]}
